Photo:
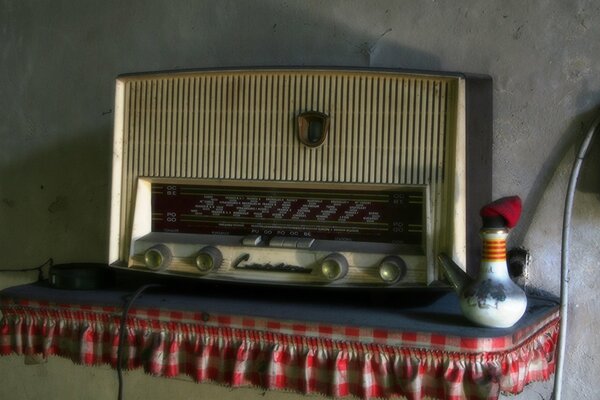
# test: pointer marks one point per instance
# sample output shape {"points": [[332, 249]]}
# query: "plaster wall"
{"points": [[58, 61]]}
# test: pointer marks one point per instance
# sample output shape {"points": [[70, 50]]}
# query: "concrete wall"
{"points": [[58, 61]]}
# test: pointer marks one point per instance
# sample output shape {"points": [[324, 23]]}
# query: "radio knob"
{"points": [[158, 257], [334, 267], [392, 269], [208, 259]]}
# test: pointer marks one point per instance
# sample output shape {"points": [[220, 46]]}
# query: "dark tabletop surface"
{"points": [[424, 310]]}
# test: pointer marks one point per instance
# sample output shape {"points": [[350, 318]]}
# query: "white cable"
{"points": [[564, 261]]}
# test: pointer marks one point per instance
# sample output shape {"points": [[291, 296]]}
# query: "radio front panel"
{"points": [[309, 177]]}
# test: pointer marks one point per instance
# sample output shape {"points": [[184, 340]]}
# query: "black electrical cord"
{"points": [[48, 262], [122, 329]]}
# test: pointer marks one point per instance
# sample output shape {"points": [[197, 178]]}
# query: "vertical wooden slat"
{"points": [[219, 95], [184, 123], [177, 158], [203, 126], [139, 133], [169, 127], [429, 132], [315, 164], [419, 133], [236, 113], [267, 127], [328, 161], [277, 123], [285, 132], [367, 129], [245, 124], [225, 113], [442, 131], [191, 132], [395, 127], [357, 139], [172, 112], [212, 126], [249, 97], [153, 131], [341, 134], [295, 165], [126, 166], [410, 133], [377, 172], [303, 97], [404, 130], [386, 144], [196, 148], [424, 148], [145, 121], [163, 126]]}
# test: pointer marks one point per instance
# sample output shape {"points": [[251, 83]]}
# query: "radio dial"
{"points": [[392, 269], [208, 259], [334, 267], [158, 257]]}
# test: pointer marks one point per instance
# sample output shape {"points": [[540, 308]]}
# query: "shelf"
{"points": [[337, 343]]}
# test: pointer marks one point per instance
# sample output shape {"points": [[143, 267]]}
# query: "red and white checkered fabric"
{"points": [[309, 358]]}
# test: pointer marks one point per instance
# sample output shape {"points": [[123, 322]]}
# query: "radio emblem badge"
{"points": [[313, 127]]}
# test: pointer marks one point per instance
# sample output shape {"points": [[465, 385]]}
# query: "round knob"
{"points": [[158, 257], [392, 269], [334, 267], [208, 259]]}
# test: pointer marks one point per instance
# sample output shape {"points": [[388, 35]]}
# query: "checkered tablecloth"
{"points": [[292, 354]]}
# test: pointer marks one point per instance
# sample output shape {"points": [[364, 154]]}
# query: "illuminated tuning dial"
{"points": [[334, 267], [392, 269], [208, 259], [158, 257]]}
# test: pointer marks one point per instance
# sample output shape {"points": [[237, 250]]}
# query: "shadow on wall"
{"points": [[56, 202], [589, 179], [388, 54], [289, 34], [222, 34]]}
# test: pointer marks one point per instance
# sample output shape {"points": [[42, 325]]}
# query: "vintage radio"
{"points": [[343, 178]]}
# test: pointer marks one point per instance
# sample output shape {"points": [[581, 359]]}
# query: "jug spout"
{"points": [[457, 277]]}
